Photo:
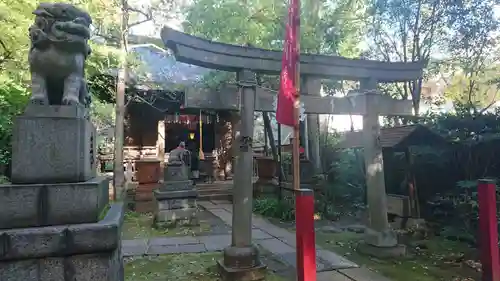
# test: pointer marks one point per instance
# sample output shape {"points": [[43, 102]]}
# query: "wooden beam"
{"points": [[227, 98]]}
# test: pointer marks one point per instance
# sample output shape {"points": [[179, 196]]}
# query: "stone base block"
{"points": [[165, 194], [170, 216], [53, 144], [67, 252], [177, 185], [32, 205], [398, 250], [95, 267], [387, 238], [180, 203], [242, 264], [256, 273], [176, 172]]}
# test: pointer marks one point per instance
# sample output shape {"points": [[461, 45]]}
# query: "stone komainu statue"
{"points": [[59, 48]]}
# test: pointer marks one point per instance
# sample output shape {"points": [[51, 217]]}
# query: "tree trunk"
{"points": [[270, 135], [118, 171]]}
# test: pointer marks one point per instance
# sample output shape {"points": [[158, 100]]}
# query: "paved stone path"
{"points": [[278, 241]]}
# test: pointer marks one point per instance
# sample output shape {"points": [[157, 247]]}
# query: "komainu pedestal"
{"points": [[54, 219], [176, 198], [55, 224], [63, 140]]}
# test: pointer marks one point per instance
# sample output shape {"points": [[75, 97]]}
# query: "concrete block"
{"points": [[176, 172], [63, 240], [53, 145], [80, 252], [177, 204], [31, 205], [256, 273], [106, 266], [175, 215], [177, 185]]}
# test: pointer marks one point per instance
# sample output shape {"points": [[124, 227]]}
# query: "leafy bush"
{"points": [[4, 180], [13, 97], [275, 208], [456, 213]]}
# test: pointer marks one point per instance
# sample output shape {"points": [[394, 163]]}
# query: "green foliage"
{"points": [[457, 212], [16, 17], [275, 208], [328, 27], [457, 37], [13, 97]]}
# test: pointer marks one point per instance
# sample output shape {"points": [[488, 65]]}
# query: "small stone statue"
{"points": [[59, 48]]}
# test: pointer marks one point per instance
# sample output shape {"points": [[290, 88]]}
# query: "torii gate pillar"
{"points": [[380, 239], [312, 86], [241, 258]]}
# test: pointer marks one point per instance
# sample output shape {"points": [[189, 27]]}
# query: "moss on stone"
{"points": [[104, 211]]}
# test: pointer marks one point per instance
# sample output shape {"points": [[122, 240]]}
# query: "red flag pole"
{"points": [[296, 105], [304, 198], [288, 113]]}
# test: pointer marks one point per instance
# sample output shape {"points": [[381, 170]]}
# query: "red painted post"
{"points": [[488, 229], [305, 236]]}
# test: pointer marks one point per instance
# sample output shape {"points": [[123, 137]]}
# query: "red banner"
{"points": [[288, 79]]}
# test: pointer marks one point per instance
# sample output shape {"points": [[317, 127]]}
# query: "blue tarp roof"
{"points": [[158, 69]]}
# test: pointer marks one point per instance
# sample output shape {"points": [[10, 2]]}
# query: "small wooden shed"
{"points": [[399, 139], [396, 138]]}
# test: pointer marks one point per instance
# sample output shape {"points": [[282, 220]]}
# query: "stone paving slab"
{"points": [[271, 229], [223, 204], [207, 205], [276, 246], [215, 242], [136, 247], [224, 215], [334, 261], [362, 274], [279, 242], [258, 234], [332, 276], [167, 241], [176, 249], [291, 259]]}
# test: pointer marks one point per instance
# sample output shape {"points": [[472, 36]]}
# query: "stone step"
{"points": [[226, 190], [209, 197], [215, 190]]}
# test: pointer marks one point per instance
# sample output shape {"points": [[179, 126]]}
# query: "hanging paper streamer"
{"points": [[202, 155]]}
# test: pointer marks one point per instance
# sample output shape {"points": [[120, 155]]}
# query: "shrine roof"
{"points": [[158, 69], [396, 137]]}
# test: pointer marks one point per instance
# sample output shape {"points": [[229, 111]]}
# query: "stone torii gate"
{"points": [[228, 98], [241, 258]]}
